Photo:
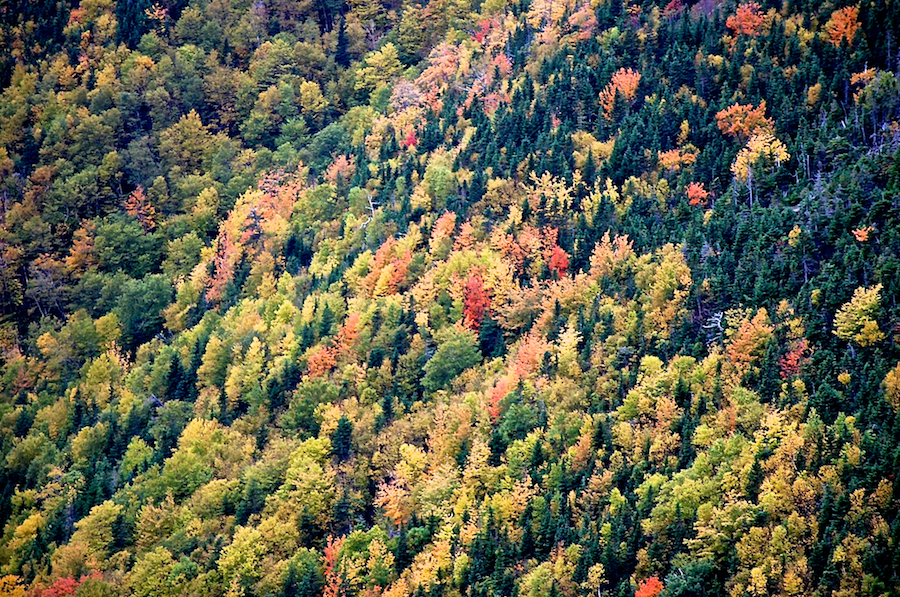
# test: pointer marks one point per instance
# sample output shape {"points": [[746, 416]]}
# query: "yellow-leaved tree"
{"points": [[855, 320], [892, 387], [11, 586], [380, 67], [762, 150]]}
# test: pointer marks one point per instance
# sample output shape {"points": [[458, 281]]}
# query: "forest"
{"points": [[449, 298]]}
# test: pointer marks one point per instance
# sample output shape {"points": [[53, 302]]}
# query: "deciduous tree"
{"points": [[624, 83], [747, 20], [855, 320], [475, 302], [843, 25]]}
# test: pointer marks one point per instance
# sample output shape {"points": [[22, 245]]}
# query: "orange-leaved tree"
{"points": [[625, 83], [742, 121], [791, 361], [843, 25], [333, 581], [696, 194], [138, 206], [650, 587], [442, 233], [747, 20], [320, 361]]}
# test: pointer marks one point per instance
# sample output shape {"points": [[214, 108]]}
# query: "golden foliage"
{"points": [[544, 13], [665, 281], [891, 385], [11, 586], [611, 256], [394, 499]]}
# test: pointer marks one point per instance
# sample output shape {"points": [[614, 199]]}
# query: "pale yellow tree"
{"points": [[762, 150], [380, 67], [855, 320]]}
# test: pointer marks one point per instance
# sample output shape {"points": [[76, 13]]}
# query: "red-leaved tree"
{"points": [[475, 302], [559, 261]]}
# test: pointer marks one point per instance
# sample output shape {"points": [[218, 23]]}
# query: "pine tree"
{"points": [[342, 439]]}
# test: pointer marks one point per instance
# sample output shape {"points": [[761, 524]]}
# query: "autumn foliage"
{"points": [[742, 121], [624, 83], [747, 20], [250, 228], [390, 299], [650, 587], [340, 170], [333, 581], [749, 341], [321, 361], [674, 159], [388, 270], [64, 586], [862, 234], [791, 361], [60, 588], [393, 498], [82, 254], [762, 149], [138, 206], [558, 262], [696, 194], [224, 260], [476, 301], [843, 25], [443, 229]]}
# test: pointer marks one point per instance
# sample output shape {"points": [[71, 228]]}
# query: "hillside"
{"points": [[450, 298]]}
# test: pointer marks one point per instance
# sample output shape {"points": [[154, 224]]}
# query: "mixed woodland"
{"points": [[413, 298]]}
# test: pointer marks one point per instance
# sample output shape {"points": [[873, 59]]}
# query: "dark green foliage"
{"points": [[252, 501], [490, 338], [122, 245], [342, 439], [140, 307], [453, 356], [695, 579], [167, 425], [302, 579]]}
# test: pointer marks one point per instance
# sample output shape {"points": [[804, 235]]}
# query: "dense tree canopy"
{"points": [[449, 298]]}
